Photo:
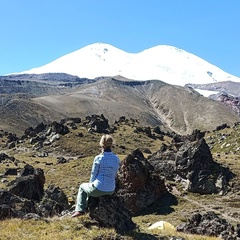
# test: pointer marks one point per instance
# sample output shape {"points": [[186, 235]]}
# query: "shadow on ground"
{"points": [[163, 206]]}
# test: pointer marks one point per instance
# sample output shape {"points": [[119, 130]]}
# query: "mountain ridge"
{"points": [[153, 102], [166, 63]]}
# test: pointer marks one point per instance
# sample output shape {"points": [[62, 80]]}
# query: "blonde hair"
{"points": [[106, 141]]}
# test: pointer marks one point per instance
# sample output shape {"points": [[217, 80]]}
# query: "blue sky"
{"points": [[34, 33]]}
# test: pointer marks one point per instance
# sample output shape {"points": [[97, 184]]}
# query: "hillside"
{"points": [[79, 146], [226, 87], [153, 102]]}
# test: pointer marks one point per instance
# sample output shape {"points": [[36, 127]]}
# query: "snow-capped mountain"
{"points": [[167, 63]]}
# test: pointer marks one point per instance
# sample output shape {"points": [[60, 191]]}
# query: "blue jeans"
{"points": [[86, 190]]}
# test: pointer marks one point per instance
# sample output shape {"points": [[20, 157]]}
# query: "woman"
{"points": [[102, 181]]}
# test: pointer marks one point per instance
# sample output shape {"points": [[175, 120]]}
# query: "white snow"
{"points": [[206, 93], [167, 63]]}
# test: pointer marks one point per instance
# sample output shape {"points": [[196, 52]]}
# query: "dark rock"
{"points": [[29, 184], [29, 132], [11, 145], [122, 119], [12, 138], [4, 156], [26, 196], [53, 202], [146, 150], [148, 131], [71, 124], [110, 212], [238, 230], [59, 128], [10, 171], [40, 128], [122, 147], [208, 224], [189, 158], [221, 127], [14, 206], [41, 131], [97, 123], [61, 160], [80, 134], [137, 183], [157, 130]]}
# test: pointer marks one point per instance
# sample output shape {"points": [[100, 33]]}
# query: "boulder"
{"points": [[137, 188], [109, 211], [59, 128], [10, 171], [97, 123], [53, 202], [188, 159], [41, 132], [4, 156], [13, 206], [209, 224], [26, 195], [137, 183], [29, 184], [61, 160]]}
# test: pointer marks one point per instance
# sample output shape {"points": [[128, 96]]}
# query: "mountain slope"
{"points": [[232, 88], [153, 103], [169, 64]]}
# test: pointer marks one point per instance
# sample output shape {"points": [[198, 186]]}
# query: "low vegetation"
{"points": [[79, 148]]}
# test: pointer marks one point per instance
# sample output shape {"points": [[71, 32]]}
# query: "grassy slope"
{"points": [[79, 151]]}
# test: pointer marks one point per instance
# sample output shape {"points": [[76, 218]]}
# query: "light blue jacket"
{"points": [[104, 169]]}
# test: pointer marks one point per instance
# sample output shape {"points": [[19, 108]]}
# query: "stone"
{"points": [[209, 224], [10, 171], [61, 160], [96, 123], [29, 184], [109, 211], [189, 159], [14, 206], [137, 183], [53, 203]]}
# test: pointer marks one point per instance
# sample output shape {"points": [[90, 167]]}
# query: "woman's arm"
{"points": [[95, 169]]}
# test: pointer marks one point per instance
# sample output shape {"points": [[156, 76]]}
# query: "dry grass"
{"points": [[81, 228], [51, 229], [79, 152]]}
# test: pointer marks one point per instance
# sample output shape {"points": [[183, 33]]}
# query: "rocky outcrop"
{"points": [[188, 160], [137, 188], [97, 123], [4, 156], [45, 134], [210, 224], [13, 206], [110, 211], [29, 184], [54, 202], [231, 102], [44, 130], [26, 195], [137, 183]]}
